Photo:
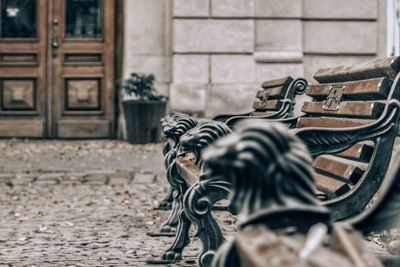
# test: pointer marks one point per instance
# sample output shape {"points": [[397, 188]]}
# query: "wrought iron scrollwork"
{"points": [[191, 142], [297, 87], [333, 140], [173, 127]]}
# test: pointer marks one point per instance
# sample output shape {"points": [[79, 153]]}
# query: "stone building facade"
{"points": [[210, 56]]}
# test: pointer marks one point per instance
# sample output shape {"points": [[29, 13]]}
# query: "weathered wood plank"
{"points": [[285, 81], [261, 113], [328, 122], [384, 67], [359, 109], [361, 152], [187, 168], [273, 92], [267, 105], [356, 90], [330, 185], [338, 169]]}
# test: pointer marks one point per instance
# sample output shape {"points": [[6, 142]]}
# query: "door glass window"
{"points": [[18, 19], [83, 19]]}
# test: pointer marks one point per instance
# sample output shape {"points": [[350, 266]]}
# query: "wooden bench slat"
{"points": [[361, 152], [345, 171], [285, 81], [356, 90], [273, 93], [330, 122], [384, 67], [330, 185], [360, 109], [322, 196], [267, 105], [261, 113]]}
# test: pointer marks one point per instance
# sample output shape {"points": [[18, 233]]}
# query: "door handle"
{"points": [[54, 41]]}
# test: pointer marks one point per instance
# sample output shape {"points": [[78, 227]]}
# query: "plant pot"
{"points": [[143, 120]]}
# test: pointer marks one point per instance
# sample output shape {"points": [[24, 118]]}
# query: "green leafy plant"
{"points": [[141, 86]]}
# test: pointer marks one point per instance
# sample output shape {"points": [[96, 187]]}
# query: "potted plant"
{"points": [[143, 110]]}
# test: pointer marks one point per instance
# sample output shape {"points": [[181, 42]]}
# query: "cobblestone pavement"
{"points": [[86, 203]]}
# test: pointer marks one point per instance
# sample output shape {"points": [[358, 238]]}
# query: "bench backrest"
{"points": [[269, 98], [349, 97]]}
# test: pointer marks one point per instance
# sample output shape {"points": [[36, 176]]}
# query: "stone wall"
{"points": [[214, 54]]}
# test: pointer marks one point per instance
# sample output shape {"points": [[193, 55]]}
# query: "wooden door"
{"points": [[57, 80], [23, 65], [82, 60]]}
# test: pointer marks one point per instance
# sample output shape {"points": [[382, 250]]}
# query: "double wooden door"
{"points": [[57, 68]]}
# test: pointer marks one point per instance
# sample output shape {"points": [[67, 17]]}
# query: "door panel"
{"points": [[57, 68], [83, 60], [23, 43]]}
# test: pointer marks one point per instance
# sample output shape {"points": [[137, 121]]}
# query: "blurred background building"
{"points": [[60, 60], [210, 56]]}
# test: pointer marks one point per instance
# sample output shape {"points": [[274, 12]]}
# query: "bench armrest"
{"points": [[282, 113], [187, 168], [225, 117]]}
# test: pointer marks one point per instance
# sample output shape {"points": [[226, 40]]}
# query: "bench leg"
{"points": [[198, 203], [169, 156], [166, 203], [182, 239], [168, 228]]}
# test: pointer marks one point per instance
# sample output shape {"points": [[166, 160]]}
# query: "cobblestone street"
{"points": [[82, 203]]}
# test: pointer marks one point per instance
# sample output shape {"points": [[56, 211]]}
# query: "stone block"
{"points": [[232, 8], [278, 70], [144, 27], [191, 8], [232, 69], [188, 97], [314, 62], [278, 35], [278, 56], [191, 69], [213, 36], [346, 9], [338, 37], [230, 98], [157, 65], [279, 8]]}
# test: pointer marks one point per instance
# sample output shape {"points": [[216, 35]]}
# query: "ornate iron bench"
{"points": [[282, 223], [351, 122], [274, 101]]}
